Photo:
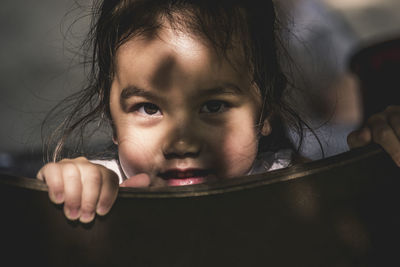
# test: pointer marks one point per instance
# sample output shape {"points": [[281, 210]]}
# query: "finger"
{"points": [[359, 138], [384, 135], [51, 174], [392, 109], [72, 190], [140, 180], [91, 186], [394, 122], [108, 192]]}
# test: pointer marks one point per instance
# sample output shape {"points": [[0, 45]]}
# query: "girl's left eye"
{"points": [[214, 106]]}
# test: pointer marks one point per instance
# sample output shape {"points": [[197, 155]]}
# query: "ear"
{"points": [[115, 137], [266, 128], [114, 134], [115, 141]]}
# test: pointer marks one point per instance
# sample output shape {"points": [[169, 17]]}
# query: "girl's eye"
{"points": [[148, 109], [214, 106]]}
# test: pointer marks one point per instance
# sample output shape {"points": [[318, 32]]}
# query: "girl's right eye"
{"points": [[148, 109]]}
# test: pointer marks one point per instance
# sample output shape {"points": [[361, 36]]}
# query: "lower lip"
{"points": [[186, 181]]}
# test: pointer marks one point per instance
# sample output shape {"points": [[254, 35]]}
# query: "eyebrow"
{"points": [[225, 89], [132, 90]]}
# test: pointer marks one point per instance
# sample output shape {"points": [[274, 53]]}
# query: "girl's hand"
{"points": [[84, 188], [382, 128]]}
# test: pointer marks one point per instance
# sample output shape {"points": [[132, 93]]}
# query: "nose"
{"points": [[182, 142]]}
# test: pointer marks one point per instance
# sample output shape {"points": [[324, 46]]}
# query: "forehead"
{"points": [[172, 47]]}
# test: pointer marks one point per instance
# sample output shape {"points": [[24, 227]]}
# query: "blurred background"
{"points": [[40, 65]]}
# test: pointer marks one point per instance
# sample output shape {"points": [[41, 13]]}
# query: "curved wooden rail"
{"points": [[339, 211]]}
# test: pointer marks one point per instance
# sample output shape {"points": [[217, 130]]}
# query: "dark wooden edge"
{"points": [[228, 185]]}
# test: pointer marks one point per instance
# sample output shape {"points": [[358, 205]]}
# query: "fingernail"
{"points": [[59, 197], [86, 217], [101, 210], [73, 213]]}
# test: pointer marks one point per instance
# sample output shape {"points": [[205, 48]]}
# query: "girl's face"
{"points": [[182, 114]]}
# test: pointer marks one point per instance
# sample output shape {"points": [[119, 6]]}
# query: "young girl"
{"points": [[194, 92]]}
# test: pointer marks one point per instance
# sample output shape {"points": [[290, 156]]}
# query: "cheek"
{"points": [[238, 150], [137, 151]]}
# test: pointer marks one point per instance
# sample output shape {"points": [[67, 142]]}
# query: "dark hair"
{"points": [[219, 21]]}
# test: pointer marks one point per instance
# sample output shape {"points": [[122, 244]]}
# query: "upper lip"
{"points": [[183, 173]]}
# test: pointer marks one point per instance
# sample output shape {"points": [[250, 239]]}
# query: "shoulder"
{"points": [[269, 161]]}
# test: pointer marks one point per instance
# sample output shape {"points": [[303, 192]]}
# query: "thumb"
{"points": [[140, 180], [359, 138]]}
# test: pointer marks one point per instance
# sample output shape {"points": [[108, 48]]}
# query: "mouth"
{"points": [[177, 177]]}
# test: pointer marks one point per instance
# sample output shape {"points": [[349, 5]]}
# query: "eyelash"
{"points": [[141, 108], [223, 105]]}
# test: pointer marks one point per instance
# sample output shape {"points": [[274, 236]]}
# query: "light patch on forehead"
{"points": [[182, 41], [186, 46]]}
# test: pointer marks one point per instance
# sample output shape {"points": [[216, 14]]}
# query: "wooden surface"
{"points": [[340, 211]]}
